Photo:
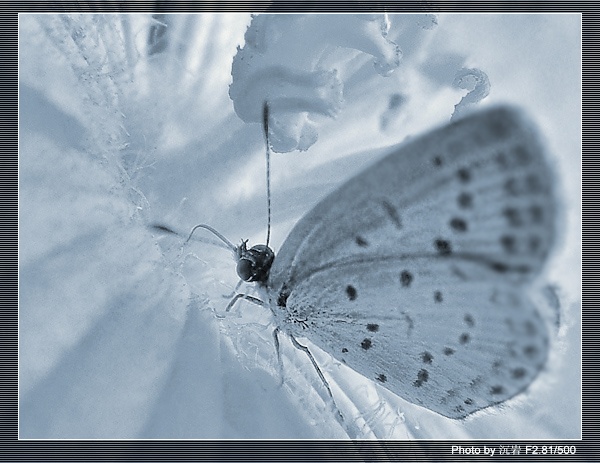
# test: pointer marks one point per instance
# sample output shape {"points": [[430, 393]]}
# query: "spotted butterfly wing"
{"points": [[414, 273]]}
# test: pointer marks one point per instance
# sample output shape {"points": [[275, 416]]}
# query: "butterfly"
{"points": [[415, 272]]}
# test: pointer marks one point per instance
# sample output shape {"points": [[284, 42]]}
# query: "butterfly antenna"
{"points": [[268, 151], [214, 232]]}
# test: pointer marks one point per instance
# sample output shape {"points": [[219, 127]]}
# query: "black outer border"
{"points": [[266, 451]]}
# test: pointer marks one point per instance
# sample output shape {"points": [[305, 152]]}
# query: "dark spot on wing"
{"points": [[392, 213], [437, 296], [502, 160], [351, 292], [366, 344], [536, 213], [465, 200], [464, 175], [448, 351], [426, 357], [437, 161], [361, 241], [422, 377], [443, 247], [523, 268], [469, 320], [518, 373], [373, 327], [495, 390], [534, 243], [531, 184], [499, 267], [464, 338], [468, 401], [458, 224], [534, 185], [509, 243], [521, 155], [511, 187], [513, 217], [381, 378], [530, 328], [531, 351], [459, 409], [406, 278]]}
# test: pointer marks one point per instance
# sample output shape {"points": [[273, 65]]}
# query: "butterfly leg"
{"points": [[305, 349], [243, 296], [278, 351], [235, 290]]}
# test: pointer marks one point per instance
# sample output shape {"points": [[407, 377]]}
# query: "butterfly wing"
{"points": [[465, 214], [450, 344], [477, 189]]}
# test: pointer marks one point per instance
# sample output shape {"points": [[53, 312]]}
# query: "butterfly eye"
{"points": [[245, 269], [254, 264]]}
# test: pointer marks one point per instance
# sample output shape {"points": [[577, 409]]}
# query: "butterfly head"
{"points": [[254, 264]]}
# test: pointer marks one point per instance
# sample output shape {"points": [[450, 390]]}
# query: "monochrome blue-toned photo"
{"points": [[340, 226]]}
